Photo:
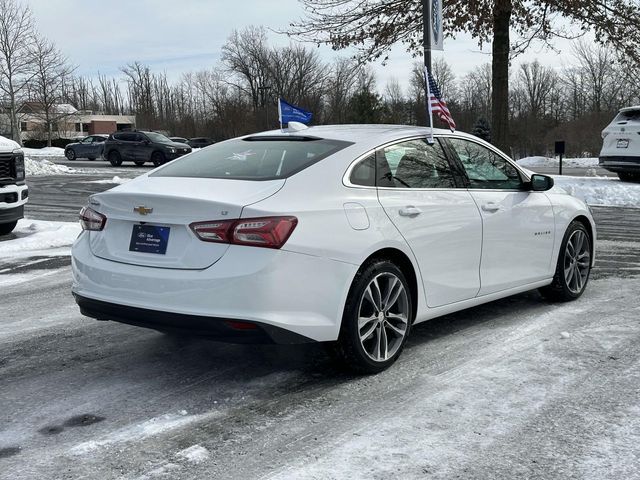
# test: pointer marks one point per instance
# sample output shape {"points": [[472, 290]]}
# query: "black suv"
{"points": [[140, 147], [200, 142]]}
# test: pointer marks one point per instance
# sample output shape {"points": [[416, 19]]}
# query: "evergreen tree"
{"points": [[482, 129]]}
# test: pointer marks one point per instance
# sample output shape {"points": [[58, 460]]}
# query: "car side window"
{"points": [[414, 164], [98, 139], [364, 173], [485, 168], [87, 140]]}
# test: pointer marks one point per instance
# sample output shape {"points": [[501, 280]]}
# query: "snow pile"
{"points": [[37, 237], [45, 167], [600, 190], [115, 180], [47, 152], [537, 162]]}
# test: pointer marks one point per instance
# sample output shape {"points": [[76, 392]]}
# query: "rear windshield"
{"points": [[630, 115], [253, 158]]}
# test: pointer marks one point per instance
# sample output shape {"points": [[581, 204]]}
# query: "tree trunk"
{"points": [[16, 132], [502, 10]]}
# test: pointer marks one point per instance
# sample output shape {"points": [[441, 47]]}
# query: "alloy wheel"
{"points": [[577, 261], [383, 317]]}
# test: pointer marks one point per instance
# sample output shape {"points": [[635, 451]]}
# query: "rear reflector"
{"points": [[92, 220], [267, 232], [241, 325]]}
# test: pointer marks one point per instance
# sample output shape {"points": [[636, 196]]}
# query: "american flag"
{"points": [[436, 103]]}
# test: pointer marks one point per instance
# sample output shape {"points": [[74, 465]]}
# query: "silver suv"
{"points": [[621, 145]]}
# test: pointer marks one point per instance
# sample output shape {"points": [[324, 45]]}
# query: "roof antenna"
{"points": [[296, 127]]}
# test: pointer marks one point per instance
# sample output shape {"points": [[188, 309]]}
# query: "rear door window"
{"points": [[414, 164], [254, 158]]}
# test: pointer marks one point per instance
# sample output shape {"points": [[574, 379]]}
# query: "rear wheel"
{"points": [[7, 228], [114, 158], [377, 319], [574, 265], [70, 154], [629, 177], [158, 159]]}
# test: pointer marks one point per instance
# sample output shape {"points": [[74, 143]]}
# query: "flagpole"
{"points": [[426, 44], [280, 112], [431, 139], [426, 33]]}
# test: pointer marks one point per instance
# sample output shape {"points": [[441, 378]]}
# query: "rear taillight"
{"points": [[92, 220], [267, 232]]}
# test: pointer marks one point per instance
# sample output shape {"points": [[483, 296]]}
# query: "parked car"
{"points": [[621, 145], [140, 147], [179, 139], [339, 234], [200, 142], [13, 189], [90, 147]]}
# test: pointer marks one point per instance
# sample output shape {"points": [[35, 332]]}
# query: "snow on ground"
{"points": [[607, 191], [37, 237], [537, 162], [115, 180], [40, 166], [44, 152]]}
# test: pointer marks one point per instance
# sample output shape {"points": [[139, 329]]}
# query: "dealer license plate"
{"points": [[149, 239]]}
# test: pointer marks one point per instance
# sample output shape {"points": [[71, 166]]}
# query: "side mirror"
{"points": [[540, 183]]}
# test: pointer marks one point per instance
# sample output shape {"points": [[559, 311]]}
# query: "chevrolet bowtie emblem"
{"points": [[142, 210]]}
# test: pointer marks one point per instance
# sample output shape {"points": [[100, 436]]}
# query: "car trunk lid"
{"points": [[148, 219]]}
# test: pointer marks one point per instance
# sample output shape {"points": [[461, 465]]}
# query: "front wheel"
{"points": [[7, 228], [573, 267], [115, 159], [158, 159], [376, 320], [70, 154]]}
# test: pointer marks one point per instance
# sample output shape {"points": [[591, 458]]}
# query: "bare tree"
{"points": [[51, 69], [373, 26], [16, 56]]}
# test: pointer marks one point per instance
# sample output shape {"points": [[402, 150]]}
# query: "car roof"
{"points": [[362, 133]]}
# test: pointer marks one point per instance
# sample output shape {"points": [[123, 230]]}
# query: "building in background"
{"points": [[65, 121]]}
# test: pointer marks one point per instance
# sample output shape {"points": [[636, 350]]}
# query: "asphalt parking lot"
{"points": [[518, 388]]}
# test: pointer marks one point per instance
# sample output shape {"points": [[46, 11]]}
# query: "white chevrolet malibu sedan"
{"points": [[340, 234]]}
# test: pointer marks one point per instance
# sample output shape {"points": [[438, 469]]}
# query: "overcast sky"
{"points": [[187, 35]]}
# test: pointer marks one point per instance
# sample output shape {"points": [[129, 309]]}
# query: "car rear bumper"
{"points": [[222, 329], [620, 163], [277, 290]]}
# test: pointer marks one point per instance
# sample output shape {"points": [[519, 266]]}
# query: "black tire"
{"points": [[158, 158], [562, 289], [7, 228], [70, 154], [350, 350], [139, 162], [114, 158], [629, 177]]}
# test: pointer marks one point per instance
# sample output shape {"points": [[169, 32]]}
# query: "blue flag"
{"points": [[291, 113]]}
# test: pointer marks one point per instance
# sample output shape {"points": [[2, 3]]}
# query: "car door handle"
{"points": [[492, 207], [410, 211]]}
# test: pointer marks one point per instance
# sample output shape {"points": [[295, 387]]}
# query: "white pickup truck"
{"points": [[13, 189]]}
